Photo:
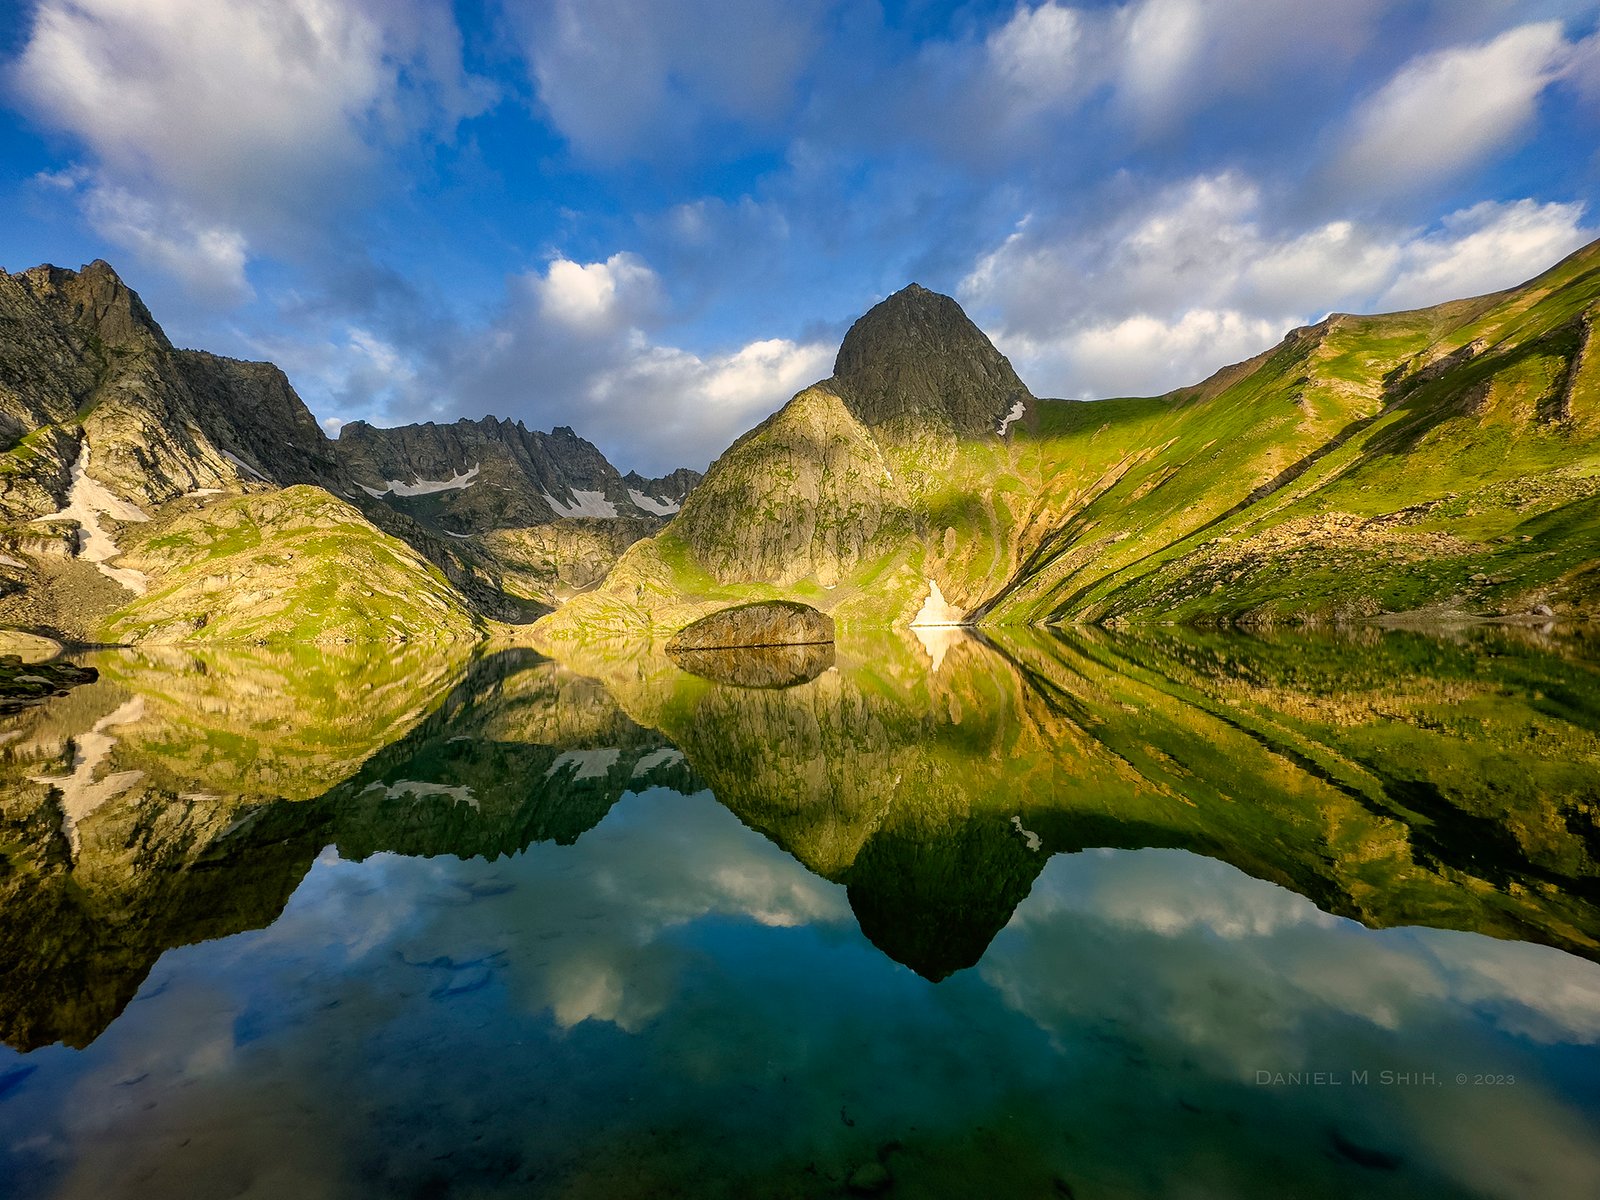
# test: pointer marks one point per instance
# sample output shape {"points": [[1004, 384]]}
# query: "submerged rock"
{"points": [[23, 683], [763, 623]]}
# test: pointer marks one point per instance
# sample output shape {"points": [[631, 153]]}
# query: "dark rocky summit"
{"points": [[918, 357]]}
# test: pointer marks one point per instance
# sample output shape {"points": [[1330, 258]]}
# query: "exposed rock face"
{"points": [[103, 421], [852, 474], [493, 474], [764, 623], [916, 357]]}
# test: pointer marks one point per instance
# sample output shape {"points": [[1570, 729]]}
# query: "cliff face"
{"points": [[105, 426], [493, 474]]}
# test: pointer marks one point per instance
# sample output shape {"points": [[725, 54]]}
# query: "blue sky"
{"points": [[654, 220]]}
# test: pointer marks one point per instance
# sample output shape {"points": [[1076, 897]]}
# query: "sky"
{"points": [[653, 220]]}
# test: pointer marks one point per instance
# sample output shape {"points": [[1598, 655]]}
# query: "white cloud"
{"points": [[1449, 109], [1164, 293], [689, 404], [209, 259], [573, 345], [209, 99], [1141, 354], [1485, 248], [1036, 53], [623, 78], [597, 296], [246, 117]]}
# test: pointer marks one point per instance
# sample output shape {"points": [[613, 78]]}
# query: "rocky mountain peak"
{"points": [[916, 356], [96, 296]]}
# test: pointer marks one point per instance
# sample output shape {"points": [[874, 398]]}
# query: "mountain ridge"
{"points": [[1440, 462], [104, 424], [1268, 493]]}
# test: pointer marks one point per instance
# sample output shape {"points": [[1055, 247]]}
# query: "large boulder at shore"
{"points": [[764, 623]]}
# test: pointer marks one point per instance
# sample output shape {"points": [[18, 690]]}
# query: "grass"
{"points": [[290, 566]]}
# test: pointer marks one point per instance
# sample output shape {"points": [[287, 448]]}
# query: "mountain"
{"points": [[1430, 465], [1435, 464], [118, 445]]}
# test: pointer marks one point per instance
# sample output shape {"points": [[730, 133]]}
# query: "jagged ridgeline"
{"points": [[152, 493], [1444, 460]]}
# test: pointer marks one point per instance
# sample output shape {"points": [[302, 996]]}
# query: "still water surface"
{"points": [[1062, 917]]}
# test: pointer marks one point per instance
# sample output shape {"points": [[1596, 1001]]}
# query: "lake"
{"points": [[1033, 914]]}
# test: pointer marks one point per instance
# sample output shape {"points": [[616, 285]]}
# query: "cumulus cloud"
{"points": [[693, 405], [208, 258], [1196, 277], [573, 344], [1449, 109], [247, 117], [598, 296], [1483, 249]]}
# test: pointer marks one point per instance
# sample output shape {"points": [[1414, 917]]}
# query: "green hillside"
{"points": [[1441, 461]]}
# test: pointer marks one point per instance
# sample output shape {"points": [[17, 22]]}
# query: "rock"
{"points": [[757, 666], [917, 357], [762, 623], [870, 1179], [1542, 610], [22, 684]]}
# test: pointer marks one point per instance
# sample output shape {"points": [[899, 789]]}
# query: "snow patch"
{"points": [[937, 640], [418, 790], [936, 610], [661, 508], [1028, 835], [586, 764], [81, 793], [424, 487], [584, 504], [656, 758], [202, 492], [87, 500], [240, 465], [1014, 415], [462, 536], [7, 561]]}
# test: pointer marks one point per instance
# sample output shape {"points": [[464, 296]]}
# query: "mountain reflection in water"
{"points": [[485, 888]]}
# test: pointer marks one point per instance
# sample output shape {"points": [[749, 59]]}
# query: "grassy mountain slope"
{"points": [[1441, 459], [1445, 458], [295, 565]]}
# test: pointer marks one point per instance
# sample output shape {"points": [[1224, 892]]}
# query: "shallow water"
{"points": [[1191, 916]]}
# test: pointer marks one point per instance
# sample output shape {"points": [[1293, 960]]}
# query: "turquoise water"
{"points": [[619, 959]]}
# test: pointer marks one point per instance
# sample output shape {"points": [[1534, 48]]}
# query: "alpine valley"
{"points": [[1431, 466]]}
